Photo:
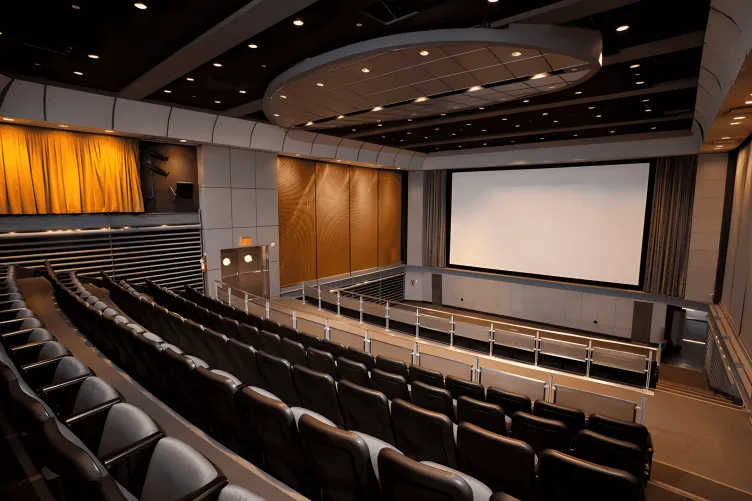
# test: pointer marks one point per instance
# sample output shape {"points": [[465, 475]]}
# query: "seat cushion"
{"points": [[136, 328], [198, 361], [227, 375], [172, 347], [481, 492], [374, 447], [237, 493], [153, 337]]}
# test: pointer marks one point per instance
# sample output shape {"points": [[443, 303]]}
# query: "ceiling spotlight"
{"points": [[481, 108], [443, 114], [468, 124], [381, 125], [298, 22], [63, 126], [378, 108], [365, 70], [640, 82], [182, 140], [538, 75], [319, 84], [556, 121], [75, 6], [421, 99], [575, 135], [166, 91], [516, 125], [726, 137], [242, 91], [578, 92], [218, 102], [747, 102], [263, 66], [622, 28], [591, 107], [108, 130], [359, 25], [409, 119], [424, 53], [492, 1], [356, 129], [340, 117], [598, 116], [483, 130], [190, 79], [9, 119], [734, 123], [648, 111], [140, 6], [78, 73], [436, 128], [739, 118], [526, 101], [545, 114], [635, 66], [218, 65], [505, 119], [645, 100], [653, 128], [474, 88], [93, 56], [283, 96], [307, 124], [516, 54], [276, 114], [612, 131], [253, 46]]}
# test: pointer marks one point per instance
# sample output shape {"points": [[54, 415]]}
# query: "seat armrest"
{"points": [[51, 388], [97, 409], [131, 450], [6, 335], [42, 363], [208, 492]]}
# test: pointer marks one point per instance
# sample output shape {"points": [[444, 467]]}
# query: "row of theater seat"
{"points": [[318, 391], [78, 430]]}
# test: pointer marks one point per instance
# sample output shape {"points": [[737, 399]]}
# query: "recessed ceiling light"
{"points": [[575, 135], [591, 107], [140, 6], [276, 114], [443, 114], [481, 108], [640, 82], [635, 66], [637, 74], [474, 88], [253, 46], [516, 125], [747, 102], [483, 130], [283, 96], [409, 119], [653, 128], [378, 108], [726, 137], [263, 66], [93, 56], [108, 130], [485, 144], [381, 125], [218, 65], [648, 111], [408, 133], [436, 128], [365, 70], [545, 114], [556, 121], [645, 100], [298, 22], [739, 118], [166, 91], [492, 1], [63, 126], [182, 140], [421, 99], [526, 101], [354, 130], [612, 131], [218, 102], [308, 123], [542, 139], [469, 124], [9, 119], [622, 28], [598, 116], [340, 117], [516, 54], [359, 25], [190, 79], [538, 75], [242, 91], [425, 137], [319, 84], [578, 92], [424, 53], [78, 73], [735, 123], [75, 6]]}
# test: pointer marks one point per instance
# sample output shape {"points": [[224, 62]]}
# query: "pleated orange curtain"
{"points": [[54, 172]]}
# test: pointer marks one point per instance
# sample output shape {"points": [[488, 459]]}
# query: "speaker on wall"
{"points": [[184, 190]]}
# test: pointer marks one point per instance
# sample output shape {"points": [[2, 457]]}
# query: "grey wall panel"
{"points": [[24, 100], [141, 118], [233, 132], [67, 106]]}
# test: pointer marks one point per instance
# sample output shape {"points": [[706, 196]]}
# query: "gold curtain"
{"points": [[55, 172]]}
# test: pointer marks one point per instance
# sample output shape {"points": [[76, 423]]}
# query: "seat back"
{"points": [[217, 392], [244, 356], [366, 411], [309, 341], [277, 374], [433, 378], [336, 349], [322, 361], [432, 398], [93, 392], [182, 368], [508, 401], [354, 372], [124, 426], [403, 479], [270, 326], [458, 387], [271, 343], [503, 464], [221, 349], [286, 332], [341, 460], [423, 435], [360, 356], [392, 366], [250, 335], [232, 328], [294, 352], [392, 385], [200, 342], [317, 392], [540, 433], [573, 418], [561, 476], [606, 451], [69, 368], [621, 430], [482, 414]]}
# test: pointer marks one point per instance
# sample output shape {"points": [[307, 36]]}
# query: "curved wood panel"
{"points": [[390, 217], [297, 220], [332, 219], [364, 217]]}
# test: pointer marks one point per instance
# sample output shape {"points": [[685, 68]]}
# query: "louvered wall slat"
{"points": [[168, 255]]}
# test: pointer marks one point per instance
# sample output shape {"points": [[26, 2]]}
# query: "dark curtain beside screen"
{"points": [[434, 218]]}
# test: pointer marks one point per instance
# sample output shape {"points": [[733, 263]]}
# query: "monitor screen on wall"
{"points": [[578, 223]]}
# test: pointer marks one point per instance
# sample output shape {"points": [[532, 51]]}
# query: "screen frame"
{"points": [[613, 285]]}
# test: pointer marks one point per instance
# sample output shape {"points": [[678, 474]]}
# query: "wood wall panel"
{"points": [[364, 217], [332, 219], [297, 220], [390, 217]]}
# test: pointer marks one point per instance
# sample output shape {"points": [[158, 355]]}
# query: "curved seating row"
{"points": [[343, 404]]}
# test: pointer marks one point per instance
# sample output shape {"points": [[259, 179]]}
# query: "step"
{"points": [[709, 393], [723, 403]]}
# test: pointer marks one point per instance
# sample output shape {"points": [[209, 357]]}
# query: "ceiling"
{"points": [[51, 41]]}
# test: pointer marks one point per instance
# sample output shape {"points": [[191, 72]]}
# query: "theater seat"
{"points": [[244, 356], [487, 416], [181, 367], [423, 435], [271, 343], [237, 493], [403, 479], [540, 433], [218, 343], [433, 378], [573, 418], [510, 403], [286, 332], [277, 374], [481, 492], [433, 398], [322, 361], [365, 410], [458, 387], [250, 335], [606, 451], [336, 349], [561, 476], [360, 356], [392, 385], [232, 328], [26, 336], [37, 351], [503, 464], [81, 396], [44, 375], [621, 430], [217, 391], [355, 372], [294, 352], [341, 461], [318, 392], [270, 326], [309, 341], [392, 366]]}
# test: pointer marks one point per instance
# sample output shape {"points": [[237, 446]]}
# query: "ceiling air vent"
{"points": [[392, 11]]}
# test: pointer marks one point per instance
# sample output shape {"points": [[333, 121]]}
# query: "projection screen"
{"points": [[584, 223]]}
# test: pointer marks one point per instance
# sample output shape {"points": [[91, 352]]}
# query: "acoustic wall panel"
{"points": [[332, 219], [67, 106], [364, 212], [390, 217], [297, 220]]}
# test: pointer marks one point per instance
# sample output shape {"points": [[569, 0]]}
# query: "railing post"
{"points": [[648, 370], [367, 344], [327, 334], [387, 316], [491, 339], [361, 309], [303, 286], [643, 403], [216, 289], [229, 295], [417, 322], [294, 319], [416, 355], [319, 297], [451, 330], [338, 314], [245, 301], [474, 377], [550, 392], [589, 357], [537, 346], [268, 307]]}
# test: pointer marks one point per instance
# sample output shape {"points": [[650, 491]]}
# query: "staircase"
{"points": [[693, 385]]}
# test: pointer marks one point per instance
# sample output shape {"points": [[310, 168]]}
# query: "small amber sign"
{"points": [[245, 241]]}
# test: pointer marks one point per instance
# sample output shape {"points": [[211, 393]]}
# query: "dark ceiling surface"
{"points": [[52, 40]]}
